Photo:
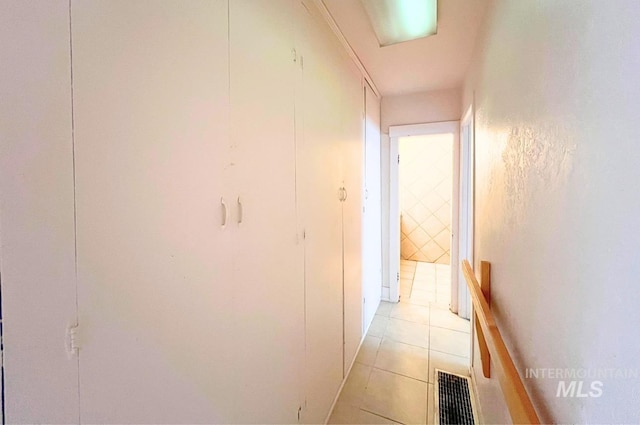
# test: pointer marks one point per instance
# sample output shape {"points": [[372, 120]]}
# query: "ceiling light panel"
{"points": [[395, 21]]}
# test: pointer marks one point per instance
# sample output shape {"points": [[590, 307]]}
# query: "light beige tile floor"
{"points": [[393, 376]]}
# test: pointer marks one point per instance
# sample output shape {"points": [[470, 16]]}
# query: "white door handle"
{"points": [[240, 211], [224, 212]]}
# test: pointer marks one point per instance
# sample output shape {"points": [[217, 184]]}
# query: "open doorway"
{"points": [[425, 196], [425, 182]]}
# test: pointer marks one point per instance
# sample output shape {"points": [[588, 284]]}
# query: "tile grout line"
{"points": [[381, 416], [403, 375], [402, 321], [447, 329], [454, 355]]}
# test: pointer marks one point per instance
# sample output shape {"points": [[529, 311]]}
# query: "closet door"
{"points": [[319, 180], [155, 295], [352, 146], [36, 213], [372, 219], [268, 262]]}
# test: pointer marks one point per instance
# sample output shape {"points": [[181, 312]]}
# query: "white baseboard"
{"points": [[475, 402], [386, 294], [344, 380]]}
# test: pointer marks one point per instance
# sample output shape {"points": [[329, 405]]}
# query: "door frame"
{"points": [[467, 206], [395, 133]]}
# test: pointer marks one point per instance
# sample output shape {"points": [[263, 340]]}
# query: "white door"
{"points": [[352, 110], [372, 219], [154, 284], [319, 173], [37, 213], [268, 260]]}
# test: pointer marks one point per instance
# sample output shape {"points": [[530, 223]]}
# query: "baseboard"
{"points": [[386, 294], [344, 380], [353, 361], [474, 395]]}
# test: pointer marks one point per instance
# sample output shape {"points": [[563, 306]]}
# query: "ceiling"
{"points": [[431, 63]]}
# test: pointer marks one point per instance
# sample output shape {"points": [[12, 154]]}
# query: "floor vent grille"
{"points": [[453, 400]]}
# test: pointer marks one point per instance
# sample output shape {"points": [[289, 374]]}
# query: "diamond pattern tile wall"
{"points": [[426, 172]]}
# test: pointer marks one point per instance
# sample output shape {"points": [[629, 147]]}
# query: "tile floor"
{"points": [[393, 376]]}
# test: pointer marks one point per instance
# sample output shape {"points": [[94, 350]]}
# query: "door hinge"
{"points": [[398, 277], [299, 413], [294, 55], [398, 159], [71, 340]]}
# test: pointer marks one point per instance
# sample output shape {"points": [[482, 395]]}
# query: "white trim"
{"points": [[467, 115], [472, 339], [394, 222], [424, 129], [466, 211], [344, 379], [475, 400], [395, 133], [466, 239], [386, 292], [455, 221], [324, 11]]}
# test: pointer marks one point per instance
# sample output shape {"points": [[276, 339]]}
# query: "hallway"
{"points": [[202, 218], [392, 379]]}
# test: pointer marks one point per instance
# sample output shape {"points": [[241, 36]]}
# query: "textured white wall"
{"points": [[557, 210]]}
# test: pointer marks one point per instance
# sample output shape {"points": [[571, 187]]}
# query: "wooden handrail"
{"points": [[518, 401]]}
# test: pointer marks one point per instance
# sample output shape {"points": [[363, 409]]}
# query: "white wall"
{"points": [[419, 108], [557, 209]]}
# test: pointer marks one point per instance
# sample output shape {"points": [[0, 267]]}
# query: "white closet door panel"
{"points": [[352, 112], [268, 261], [151, 110], [372, 220], [319, 174], [36, 213]]}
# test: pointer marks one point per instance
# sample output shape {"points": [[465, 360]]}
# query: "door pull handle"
{"points": [[223, 206]]}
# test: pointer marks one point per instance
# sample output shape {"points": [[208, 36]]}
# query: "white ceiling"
{"points": [[431, 63]]}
